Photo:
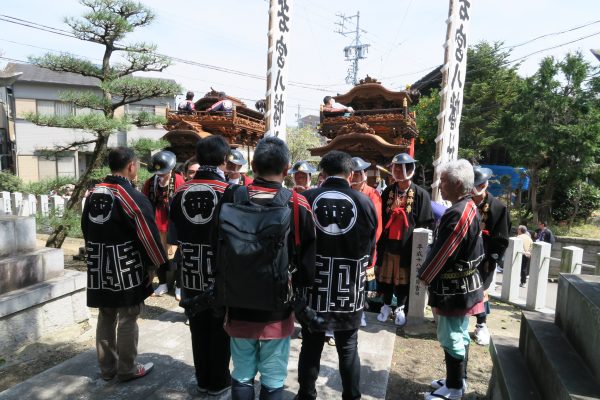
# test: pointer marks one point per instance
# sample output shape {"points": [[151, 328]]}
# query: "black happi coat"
{"points": [[302, 259], [420, 216], [346, 223], [191, 215], [450, 267], [122, 243], [495, 226]]}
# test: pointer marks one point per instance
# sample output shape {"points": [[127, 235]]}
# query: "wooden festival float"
{"points": [[241, 126], [380, 127]]}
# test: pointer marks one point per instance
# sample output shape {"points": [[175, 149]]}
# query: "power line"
{"points": [[520, 58], [550, 34], [302, 85]]}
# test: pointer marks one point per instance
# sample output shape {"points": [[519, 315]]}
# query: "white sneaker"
{"points": [[161, 289], [363, 320], [384, 314], [482, 335], [178, 294], [445, 393], [400, 318], [441, 382]]}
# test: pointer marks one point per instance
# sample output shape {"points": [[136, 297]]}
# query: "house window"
{"points": [[52, 167], [53, 107], [86, 111]]}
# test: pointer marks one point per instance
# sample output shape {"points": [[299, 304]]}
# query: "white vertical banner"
{"points": [[453, 83], [279, 35]]}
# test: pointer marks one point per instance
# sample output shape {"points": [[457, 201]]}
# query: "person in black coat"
{"points": [[495, 226], [451, 273], [191, 215], [406, 206], [346, 223], [123, 251]]}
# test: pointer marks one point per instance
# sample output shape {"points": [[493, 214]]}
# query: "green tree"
{"points": [[553, 128], [300, 141], [427, 124], [106, 23], [491, 86]]}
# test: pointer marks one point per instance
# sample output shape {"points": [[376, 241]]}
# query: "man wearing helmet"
{"points": [[235, 162], [406, 206], [359, 183], [302, 175], [495, 225], [159, 189]]}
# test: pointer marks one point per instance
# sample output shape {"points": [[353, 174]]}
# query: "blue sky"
{"points": [[406, 38]]}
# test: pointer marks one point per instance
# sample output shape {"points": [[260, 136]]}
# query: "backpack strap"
{"points": [[282, 197], [241, 195], [296, 219]]}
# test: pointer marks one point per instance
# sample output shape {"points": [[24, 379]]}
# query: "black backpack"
{"points": [[253, 268]]}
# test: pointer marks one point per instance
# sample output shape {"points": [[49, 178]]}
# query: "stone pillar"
{"points": [[57, 204], [597, 270], [417, 298], [538, 275], [512, 270], [571, 259], [32, 204], [16, 199], [5, 202], [44, 206], [24, 209]]}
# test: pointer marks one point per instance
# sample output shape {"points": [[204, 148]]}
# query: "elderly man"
{"points": [[450, 270]]}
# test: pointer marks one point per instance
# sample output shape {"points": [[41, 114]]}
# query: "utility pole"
{"points": [[356, 51], [298, 116]]}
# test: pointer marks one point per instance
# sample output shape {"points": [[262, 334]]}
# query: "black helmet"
{"points": [[358, 164], [162, 162], [302, 166], [481, 175], [236, 157], [403, 158]]}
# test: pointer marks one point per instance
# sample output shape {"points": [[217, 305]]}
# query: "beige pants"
{"points": [[117, 339]]}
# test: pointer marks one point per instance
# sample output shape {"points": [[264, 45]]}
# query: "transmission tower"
{"points": [[356, 51]]}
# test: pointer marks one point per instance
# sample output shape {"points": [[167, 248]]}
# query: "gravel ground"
{"points": [[417, 359]]}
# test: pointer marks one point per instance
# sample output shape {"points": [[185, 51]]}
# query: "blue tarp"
{"points": [[519, 178]]}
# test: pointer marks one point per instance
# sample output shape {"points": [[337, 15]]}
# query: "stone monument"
{"points": [[37, 295]]}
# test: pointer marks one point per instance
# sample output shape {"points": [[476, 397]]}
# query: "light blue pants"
{"points": [[269, 357], [453, 335]]}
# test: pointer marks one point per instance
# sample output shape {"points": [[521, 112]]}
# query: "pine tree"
{"points": [[106, 23]]}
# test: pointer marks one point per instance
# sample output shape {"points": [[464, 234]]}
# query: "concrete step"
{"points": [[558, 371], [510, 377], [41, 309], [29, 268], [578, 316]]}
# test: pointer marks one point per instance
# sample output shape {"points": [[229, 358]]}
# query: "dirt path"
{"points": [[418, 358]]}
